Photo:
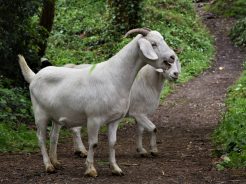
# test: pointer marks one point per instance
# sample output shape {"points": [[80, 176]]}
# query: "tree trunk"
{"points": [[46, 22]]}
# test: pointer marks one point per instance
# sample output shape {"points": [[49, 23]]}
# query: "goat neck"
{"points": [[126, 64]]}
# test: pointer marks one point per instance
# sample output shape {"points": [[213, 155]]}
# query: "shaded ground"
{"points": [[185, 122]]}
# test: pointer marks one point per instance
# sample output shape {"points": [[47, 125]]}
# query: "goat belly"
{"points": [[69, 123]]}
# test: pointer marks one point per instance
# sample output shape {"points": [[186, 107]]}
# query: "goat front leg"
{"points": [[93, 129], [79, 148], [112, 133], [54, 136], [143, 121]]}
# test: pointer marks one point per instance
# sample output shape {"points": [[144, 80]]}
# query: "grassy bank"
{"points": [[234, 9], [230, 136]]}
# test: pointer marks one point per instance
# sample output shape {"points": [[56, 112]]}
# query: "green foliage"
{"points": [[19, 34], [15, 104], [15, 138], [238, 32], [229, 8], [123, 16], [78, 30], [235, 9], [230, 136]]}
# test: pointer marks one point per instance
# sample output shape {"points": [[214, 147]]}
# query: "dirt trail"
{"points": [[185, 122]]}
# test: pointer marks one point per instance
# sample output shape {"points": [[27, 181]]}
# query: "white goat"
{"points": [[97, 95], [144, 99]]}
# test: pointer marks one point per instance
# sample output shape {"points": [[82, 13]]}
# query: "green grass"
{"points": [[238, 32], [80, 36], [15, 138], [235, 8], [230, 136]]}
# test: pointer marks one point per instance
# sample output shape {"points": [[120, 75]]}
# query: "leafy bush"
{"points": [[230, 136], [15, 117], [238, 32], [15, 104]]}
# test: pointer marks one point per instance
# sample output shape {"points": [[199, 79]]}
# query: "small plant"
{"points": [[238, 32]]}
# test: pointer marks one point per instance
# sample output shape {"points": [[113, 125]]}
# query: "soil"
{"points": [[185, 122]]}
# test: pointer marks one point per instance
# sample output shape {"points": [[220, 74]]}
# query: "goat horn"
{"points": [[143, 31], [148, 29]]}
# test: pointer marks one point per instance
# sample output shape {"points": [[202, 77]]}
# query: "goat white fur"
{"points": [[144, 99], [97, 95]]}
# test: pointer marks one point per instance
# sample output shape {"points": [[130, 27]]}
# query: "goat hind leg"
{"points": [[79, 148], [41, 123], [144, 121], [140, 148], [54, 136]]}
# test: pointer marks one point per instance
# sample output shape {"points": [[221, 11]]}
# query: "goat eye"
{"points": [[153, 44]]}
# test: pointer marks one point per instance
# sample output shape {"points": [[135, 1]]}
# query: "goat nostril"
{"points": [[172, 57], [176, 74]]}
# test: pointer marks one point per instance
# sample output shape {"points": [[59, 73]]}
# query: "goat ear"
{"points": [[147, 49], [159, 70]]}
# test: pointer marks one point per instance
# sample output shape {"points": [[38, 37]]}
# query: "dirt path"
{"points": [[185, 122]]}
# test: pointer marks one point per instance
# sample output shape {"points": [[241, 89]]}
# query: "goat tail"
{"points": [[26, 71]]}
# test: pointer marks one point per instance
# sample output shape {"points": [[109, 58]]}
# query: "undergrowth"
{"points": [[230, 136], [238, 32], [229, 8], [236, 9], [15, 138]]}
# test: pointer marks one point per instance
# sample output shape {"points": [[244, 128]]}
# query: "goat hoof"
{"points": [[80, 154], [50, 169], [143, 155], [142, 152], [118, 173], [154, 153], [91, 173], [77, 153], [57, 165]]}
